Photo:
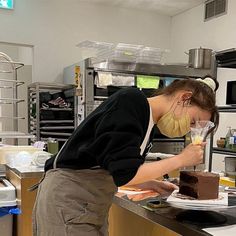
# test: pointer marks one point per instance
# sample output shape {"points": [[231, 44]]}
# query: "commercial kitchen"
{"points": [[62, 59]]}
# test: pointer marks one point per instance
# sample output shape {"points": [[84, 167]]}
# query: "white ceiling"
{"points": [[166, 7]]}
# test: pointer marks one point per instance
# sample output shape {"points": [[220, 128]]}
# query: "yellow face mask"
{"points": [[172, 126]]}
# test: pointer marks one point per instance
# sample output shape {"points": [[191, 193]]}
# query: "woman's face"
{"points": [[197, 114]]}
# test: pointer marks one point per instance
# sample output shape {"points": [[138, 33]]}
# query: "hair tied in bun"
{"points": [[209, 82]]}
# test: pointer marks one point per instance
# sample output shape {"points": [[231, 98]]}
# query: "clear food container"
{"points": [[150, 55], [95, 49], [122, 52]]}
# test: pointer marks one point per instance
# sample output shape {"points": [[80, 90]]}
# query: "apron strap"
{"points": [[55, 160]]}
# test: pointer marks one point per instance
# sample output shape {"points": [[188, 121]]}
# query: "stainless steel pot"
{"points": [[200, 58]]}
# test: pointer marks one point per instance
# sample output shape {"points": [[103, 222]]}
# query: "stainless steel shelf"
{"points": [[7, 65], [58, 139], [176, 70], [227, 108], [224, 151], [10, 100], [15, 134], [49, 86], [56, 127], [14, 118], [15, 65], [45, 128], [55, 133], [17, 82], [5, 87], [56, 109], [56, 121]]}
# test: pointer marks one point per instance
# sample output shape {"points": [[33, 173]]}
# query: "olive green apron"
{"points": [[73, 203]]}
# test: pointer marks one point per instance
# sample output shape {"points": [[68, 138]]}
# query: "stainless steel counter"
{"points": [[27, 172], [166, 216]]}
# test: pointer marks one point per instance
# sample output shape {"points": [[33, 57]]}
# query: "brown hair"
{"points": [[202, 96]]}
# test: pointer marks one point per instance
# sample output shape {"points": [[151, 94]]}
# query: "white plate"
{"points": [[199, 208], [184, 202]]}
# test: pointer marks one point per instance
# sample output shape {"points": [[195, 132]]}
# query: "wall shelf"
{"points": [[224, 151], [49, 120], [9, 100], [227, 108], [217, 150]]}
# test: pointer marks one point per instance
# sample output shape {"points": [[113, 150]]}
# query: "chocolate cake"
{"points": [[198, 184]]}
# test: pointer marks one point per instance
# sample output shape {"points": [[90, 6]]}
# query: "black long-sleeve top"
{"points": [[110, 137]]}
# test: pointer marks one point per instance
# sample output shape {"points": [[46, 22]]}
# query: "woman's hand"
{"points": [[192, 155], [163, 188]]}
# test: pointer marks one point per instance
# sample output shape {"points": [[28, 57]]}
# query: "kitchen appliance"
{"points": [[230, 165], [231, 93], [200, 58], [96, 81], [163, 144], [226, 58]]}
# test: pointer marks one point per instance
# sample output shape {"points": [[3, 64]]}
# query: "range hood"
{"points": [[226, 58]]}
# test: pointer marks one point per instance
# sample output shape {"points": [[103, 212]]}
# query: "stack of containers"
{"points": [[7, 207], [123, 52], [150, 55], [98, 49]]}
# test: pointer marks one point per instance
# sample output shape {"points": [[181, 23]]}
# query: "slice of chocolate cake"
{"points": [[198, 184]]}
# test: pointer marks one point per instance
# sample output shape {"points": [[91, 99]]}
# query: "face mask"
{"points": [[172, 126]]}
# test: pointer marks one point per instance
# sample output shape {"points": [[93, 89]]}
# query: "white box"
{"points": [[7, 199], [7, 193]]}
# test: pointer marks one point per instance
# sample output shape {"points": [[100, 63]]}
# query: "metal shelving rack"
{"points": [[44, 128], [9, 67], [223, 151]]}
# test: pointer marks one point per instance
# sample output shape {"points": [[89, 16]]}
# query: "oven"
{"points": [[231, 93], [163, 144]]}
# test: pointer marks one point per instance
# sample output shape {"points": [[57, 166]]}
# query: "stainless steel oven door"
{"points": [[169, 146]]}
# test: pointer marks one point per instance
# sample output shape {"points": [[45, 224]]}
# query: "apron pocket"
{"points": [[89, 213]]}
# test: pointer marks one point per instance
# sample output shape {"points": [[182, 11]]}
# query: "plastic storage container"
{"points": [[123, 52], [150, 55], [7, 152], [126, 52], [7, 201], [95, 49]]}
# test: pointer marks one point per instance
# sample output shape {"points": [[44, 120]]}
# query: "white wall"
{"points": [[54, 27], [188, 30]]}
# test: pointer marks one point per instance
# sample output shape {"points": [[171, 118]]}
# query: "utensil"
{"points": [[200, 131], [200, 58]]}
